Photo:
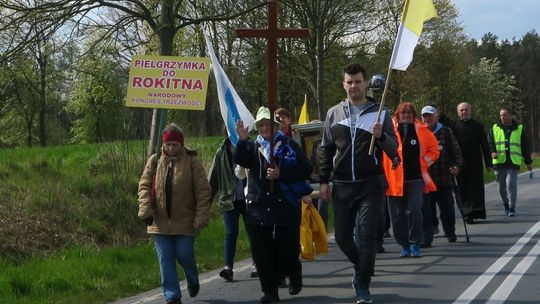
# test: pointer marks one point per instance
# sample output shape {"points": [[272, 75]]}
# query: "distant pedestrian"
{"points": [[472, 140], [418, 150], [509, 147], [443, 173], [273, 203], [283, 116], [177, 211]]}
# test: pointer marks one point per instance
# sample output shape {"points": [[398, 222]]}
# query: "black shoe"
{"points": [[469, 220], [227, 274], [295, 283], [194, 290], [425, 245], [452, 238], [387, 234], [270, 297], [380, 249], [174, 301]]}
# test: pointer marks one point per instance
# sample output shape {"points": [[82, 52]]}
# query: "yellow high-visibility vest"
{"points": [[514, 144]]}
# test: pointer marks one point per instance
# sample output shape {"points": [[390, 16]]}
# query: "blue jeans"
{"points": [[406, 213], [507, 182], [172, 248], [231, 219]]}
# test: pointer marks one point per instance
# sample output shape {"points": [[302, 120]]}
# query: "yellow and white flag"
{"points": [[304, 117], [415, 12]]}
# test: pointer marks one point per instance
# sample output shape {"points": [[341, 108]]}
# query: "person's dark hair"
{"points": [[354, 68], [506, 109], [283, 112], [404, 107]]}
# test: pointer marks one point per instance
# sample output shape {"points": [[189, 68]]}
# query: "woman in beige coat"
{"points": [[175, 208]]}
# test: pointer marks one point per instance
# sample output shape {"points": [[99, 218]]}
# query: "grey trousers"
{"points": [[507, 182], [406, 213]]}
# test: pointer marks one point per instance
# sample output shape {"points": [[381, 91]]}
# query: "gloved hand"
{"points": [[395, 162], [148, 221]]}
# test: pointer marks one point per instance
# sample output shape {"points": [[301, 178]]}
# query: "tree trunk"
{"points": [[166, 32], [42, 63], [320, 73]]}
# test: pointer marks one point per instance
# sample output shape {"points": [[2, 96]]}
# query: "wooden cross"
{"points": [[272, 33]]}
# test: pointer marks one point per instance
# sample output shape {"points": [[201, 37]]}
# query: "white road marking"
{"points": [[477, 286], [503, 292]]}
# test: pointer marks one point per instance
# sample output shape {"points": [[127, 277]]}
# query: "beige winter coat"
{"points": [[190, 195]]}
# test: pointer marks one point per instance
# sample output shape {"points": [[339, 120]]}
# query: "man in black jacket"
{"points": [[358, 178]]}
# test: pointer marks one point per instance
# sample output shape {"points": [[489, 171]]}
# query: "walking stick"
{"points": [[457, 197]]}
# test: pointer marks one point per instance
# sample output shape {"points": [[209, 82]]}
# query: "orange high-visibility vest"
{"points": [[429, 153]]}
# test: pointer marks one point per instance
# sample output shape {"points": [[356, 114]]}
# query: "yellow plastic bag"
{"points": [[313, 240]]}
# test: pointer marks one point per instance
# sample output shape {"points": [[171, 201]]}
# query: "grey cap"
{"points": [[429, 110]]}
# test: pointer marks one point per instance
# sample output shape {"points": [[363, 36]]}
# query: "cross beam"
{"points": [[272, 34]]}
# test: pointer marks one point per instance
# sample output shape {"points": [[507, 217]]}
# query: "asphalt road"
{"points": [[500, 264]]}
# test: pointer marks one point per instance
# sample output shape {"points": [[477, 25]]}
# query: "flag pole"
{"points": [[381, 106]]}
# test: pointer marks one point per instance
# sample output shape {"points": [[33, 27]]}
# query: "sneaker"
{"points": [[295, 283], [436, 230], [511, 212], [253, 273], [415, 250], [270, 297], [227, 273], [506, 208], [194, 290], [405, 251], [452, 238], [174, 301], [363, 296]]}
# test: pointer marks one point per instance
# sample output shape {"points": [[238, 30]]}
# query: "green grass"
{"points": [[69, 228], [86, 275]]}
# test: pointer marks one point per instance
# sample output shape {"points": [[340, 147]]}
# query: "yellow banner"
{"points": [[168, 82]]}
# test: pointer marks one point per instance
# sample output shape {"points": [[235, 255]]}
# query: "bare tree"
{"points": [[333, 22], [20, 21]]}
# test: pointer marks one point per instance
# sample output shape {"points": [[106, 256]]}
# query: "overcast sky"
{"points": [[504, 18]]}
